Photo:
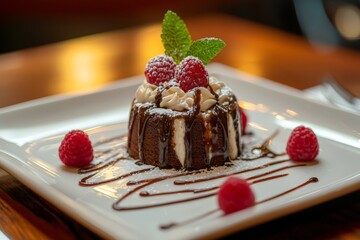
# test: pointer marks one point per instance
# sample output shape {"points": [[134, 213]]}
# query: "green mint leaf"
{"points": [[175, 37], [206, 49]]}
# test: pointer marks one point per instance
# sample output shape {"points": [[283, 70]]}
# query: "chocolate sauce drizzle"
{"points": [[156, 180], [182, 182], [263, 150], [84, 181], [176, 224], [201, 190], [311, 180], [112, 156]]}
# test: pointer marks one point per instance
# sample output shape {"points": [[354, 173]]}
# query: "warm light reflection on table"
{"points": [[80, 66], [84, 65]]}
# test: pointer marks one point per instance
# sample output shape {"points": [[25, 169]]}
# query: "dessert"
{"points": [[181, 118]]}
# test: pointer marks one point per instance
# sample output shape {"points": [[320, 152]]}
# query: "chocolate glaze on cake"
{"points": [[193, 138]]}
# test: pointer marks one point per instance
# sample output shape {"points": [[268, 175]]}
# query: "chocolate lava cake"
{"points": [[181, 118], [194, 138]]}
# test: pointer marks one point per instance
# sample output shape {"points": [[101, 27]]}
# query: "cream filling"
{"points": [[178, 139], [232, 145], [208, 134]]}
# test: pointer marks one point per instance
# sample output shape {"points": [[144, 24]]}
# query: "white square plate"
{"points": [[31, 133]]}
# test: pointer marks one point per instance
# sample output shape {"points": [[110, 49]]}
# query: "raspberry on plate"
{"points": [[302, 144], [234, 195], [191, 73], [75, 149], [243, 120], [160, 69]]}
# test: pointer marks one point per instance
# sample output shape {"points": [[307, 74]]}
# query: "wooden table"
{"points": [[90, 62]]}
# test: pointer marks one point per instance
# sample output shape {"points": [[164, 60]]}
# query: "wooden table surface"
{"points": [[90, 62]]}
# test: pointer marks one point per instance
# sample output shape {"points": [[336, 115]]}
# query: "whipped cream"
{"points": [[207, 99], [215, 84], [224, 92], [146, 92], [176, 99]]}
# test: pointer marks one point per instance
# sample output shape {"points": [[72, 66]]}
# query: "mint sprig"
{"points": [[206, 49], [178, 44], [175, 37]]}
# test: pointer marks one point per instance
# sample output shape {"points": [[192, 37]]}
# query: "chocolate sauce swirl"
{"points": [[262, 150], [156, 180], [114, 155], [177, 224], [182, 182]]}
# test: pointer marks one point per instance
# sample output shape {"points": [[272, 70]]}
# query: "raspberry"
{"points": [[302, 144], [234, 195], [75, 149], [191, 73], [160, 69], [243, 120]]}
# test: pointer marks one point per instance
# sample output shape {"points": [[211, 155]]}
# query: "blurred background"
{"points": [[31, 23]]}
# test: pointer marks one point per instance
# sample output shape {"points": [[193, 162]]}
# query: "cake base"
{"points": [[188, 140]]}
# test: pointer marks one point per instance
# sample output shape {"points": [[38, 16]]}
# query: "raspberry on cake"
{"points": [[181, 118], [191, 73], [160, 69]]}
